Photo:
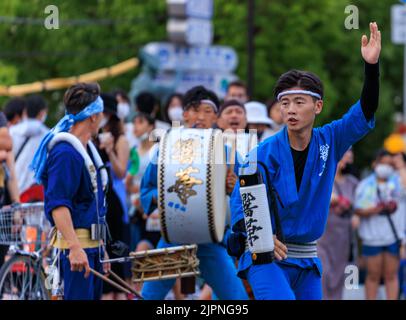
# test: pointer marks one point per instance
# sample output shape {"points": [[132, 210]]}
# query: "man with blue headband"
{"points": [[69, 167], [301, 163]]}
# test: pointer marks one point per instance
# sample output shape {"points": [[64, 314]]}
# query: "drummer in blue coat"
{"points": [[302, 162], [216, 266], [74, 200]]}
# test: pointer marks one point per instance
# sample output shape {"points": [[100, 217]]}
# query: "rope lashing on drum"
{"points": [[186, 262]]}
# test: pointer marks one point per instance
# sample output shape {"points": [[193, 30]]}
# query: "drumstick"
{"points": [[109, 281], [126, 285]]}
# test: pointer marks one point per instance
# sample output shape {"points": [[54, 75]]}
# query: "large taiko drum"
{"points": [[191, 186]]}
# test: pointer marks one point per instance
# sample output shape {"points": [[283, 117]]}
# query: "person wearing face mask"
{"points": [[140, 157], [145, 229], [399, 161], [27, 136], [173, 110], [124, 111], [123, 105], [114, 151], [381, 228]]}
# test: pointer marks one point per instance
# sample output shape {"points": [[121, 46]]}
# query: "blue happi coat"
{"points": [[304, 216]]}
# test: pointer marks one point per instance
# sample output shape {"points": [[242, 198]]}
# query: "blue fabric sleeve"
{"points": [[63, 168], [149, 188], [351, 128], [236, 205]]}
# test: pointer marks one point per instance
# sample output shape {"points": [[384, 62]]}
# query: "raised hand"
{"points": [[371, 49]]}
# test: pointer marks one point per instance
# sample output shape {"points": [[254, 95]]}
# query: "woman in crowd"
{"points": [[173, 110], [123, 104], [114, 151], [145, 230], [382, 222]]}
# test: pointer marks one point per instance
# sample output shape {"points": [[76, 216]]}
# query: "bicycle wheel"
{"points": [[22, 278]]}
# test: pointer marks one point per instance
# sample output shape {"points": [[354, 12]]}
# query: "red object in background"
{"points": [[391, 206], [388, 207], [401, 129], [21, 267], [344, 202], [35, 193]]}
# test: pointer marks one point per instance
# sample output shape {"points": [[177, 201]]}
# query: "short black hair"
{"points": [[237, 83], [110, 103], [122, 93], [80, 95], [382, 153], [14, 107], [145, 116], [168, 102], [271, 103], [297, 78], [35, 104], [196, 94], [232, 102], [145, 102]]}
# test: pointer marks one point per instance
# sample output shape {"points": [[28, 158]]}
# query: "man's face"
{"points": [[237, 93], [233, 117], [201, 116], [299, 111]]}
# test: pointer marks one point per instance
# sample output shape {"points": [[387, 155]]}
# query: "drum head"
{"points": [[191, 186], [218, 187]]}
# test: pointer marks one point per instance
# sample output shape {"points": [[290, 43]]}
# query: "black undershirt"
{"points": [[369, 104], [299, 162]]}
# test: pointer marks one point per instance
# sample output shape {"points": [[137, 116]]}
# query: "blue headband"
{"points": [[310, 93], [64, 125]]}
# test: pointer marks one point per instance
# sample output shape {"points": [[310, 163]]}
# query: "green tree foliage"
{"points": [[305, 34]]}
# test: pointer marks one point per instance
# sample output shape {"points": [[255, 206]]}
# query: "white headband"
{"points": [[310, 93], [210, 103]]}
